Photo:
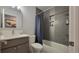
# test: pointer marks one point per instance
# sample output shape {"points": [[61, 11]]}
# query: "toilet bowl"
{"points": [[34, 47]]}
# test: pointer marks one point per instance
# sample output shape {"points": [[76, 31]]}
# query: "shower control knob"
{"points": [[71, 43]]}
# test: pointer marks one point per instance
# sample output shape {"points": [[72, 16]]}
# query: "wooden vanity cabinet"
{"points": [[23, 48], [18, 45], [9, 50]]}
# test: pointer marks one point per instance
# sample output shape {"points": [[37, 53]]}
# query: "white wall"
{"points": [[28, 19], [74, 28]]}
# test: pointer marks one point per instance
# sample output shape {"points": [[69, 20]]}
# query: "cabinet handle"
{"points": [[0, 46], [15, 48]]}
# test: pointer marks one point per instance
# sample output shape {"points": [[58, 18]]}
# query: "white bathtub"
{"points": [[52, 47]]}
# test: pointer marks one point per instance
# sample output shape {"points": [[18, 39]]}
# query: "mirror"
{"points": [[10, 17], [0, 18]]}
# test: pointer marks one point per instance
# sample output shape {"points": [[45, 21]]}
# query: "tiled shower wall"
{"points": [[58, 32]]}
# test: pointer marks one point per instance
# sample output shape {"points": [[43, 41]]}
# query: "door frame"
{"points": [[74, 29]]}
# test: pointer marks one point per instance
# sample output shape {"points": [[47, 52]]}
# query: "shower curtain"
{"points": [[38, 32]]}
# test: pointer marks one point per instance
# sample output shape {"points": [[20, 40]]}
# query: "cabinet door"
{"points": [[24, 48], [14, 42], [0, 47], [9, 50]]}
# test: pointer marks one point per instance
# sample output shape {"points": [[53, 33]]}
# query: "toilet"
{"points": [[34, 47]]}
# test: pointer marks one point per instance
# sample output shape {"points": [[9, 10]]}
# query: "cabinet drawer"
{"points": [[9, 50], [24, 48], [14, 42]]}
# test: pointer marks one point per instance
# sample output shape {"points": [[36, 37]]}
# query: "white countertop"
{"points": [[9, 37]]}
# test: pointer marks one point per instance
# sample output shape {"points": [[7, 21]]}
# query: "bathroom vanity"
{"points": [[10, 41], [14, 44]]}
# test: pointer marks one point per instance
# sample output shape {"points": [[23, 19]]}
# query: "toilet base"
{"points": [[35, 51], [36, 48]]}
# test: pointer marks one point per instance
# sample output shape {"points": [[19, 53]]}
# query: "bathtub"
{"points": [[53, 47]]}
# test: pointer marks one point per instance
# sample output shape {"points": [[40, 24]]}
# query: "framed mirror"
{"points": [[0, 18], [10, 17]]}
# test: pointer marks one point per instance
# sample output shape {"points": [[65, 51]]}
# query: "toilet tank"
{"points": [[31, 39]]}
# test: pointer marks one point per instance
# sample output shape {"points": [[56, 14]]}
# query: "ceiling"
{"points": [[44, 7]]}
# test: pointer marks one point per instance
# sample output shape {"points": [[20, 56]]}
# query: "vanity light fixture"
{"points": [[13, 6], [17, 7]]}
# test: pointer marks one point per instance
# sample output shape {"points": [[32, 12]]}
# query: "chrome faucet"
{"points": [[0, 33], [13, 32]]}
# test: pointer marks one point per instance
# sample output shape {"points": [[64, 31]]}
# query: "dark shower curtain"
{"points": [[38, 32]]}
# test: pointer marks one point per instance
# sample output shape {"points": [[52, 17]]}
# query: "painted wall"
{"points": [[28, 19], [74, 28]]}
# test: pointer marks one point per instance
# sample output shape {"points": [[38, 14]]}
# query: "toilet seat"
{"points": [[37, 45]]}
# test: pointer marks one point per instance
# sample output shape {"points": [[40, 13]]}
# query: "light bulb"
{"points": [[13, 6], [18, 7]]}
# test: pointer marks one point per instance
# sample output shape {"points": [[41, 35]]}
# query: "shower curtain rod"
{"points": [[44, 11]]}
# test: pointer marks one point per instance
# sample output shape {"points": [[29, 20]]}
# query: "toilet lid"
{"points": [[37, 45]]}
